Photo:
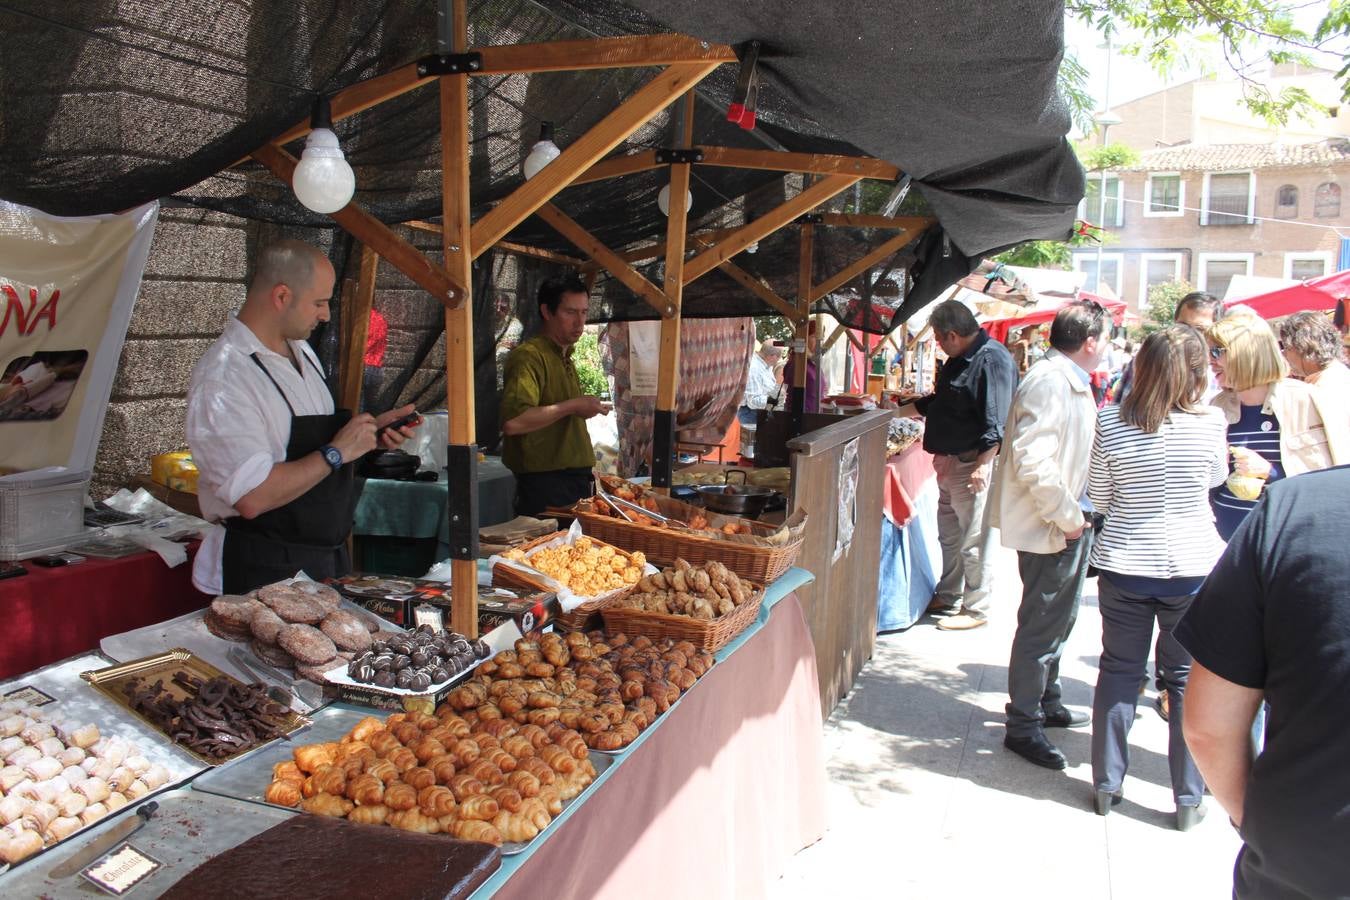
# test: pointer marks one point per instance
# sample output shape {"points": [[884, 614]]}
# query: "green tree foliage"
{"points": [[1161, 307], [772, 328], [586, 357], [1172, 34]]}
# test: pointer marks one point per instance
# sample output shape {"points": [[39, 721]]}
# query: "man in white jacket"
{"points": [[1040, 506]]}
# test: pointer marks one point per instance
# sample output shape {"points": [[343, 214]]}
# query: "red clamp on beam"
{"points": [[745, 99]]}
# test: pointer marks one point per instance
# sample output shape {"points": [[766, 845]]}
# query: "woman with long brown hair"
{"points": [[1154, 460]]}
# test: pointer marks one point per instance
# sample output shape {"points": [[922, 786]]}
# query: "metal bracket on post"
{"points": [[462, 479], [449, 64], [669, 156], [663, 447], [809, 219]]}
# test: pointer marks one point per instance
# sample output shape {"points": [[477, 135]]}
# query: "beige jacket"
{"points": [[1043, 464], [1314, 434]]}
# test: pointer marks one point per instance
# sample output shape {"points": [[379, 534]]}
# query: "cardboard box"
{"points": [[398, 600]]}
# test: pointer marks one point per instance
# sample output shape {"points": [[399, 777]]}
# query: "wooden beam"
{"points": [[356, 322], [833, 338], [855, 220], [362, 96], [753, 284], [596, 250], [806, 252], [602, 53], [766, 225], [419, 225], [376, 235], [615, 166], [459, 368], [853, 270], [815, 163], [658, 249], [561, 259], [607, 134]]}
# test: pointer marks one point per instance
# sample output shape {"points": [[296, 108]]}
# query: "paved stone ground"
{"points": [[925, 801]]}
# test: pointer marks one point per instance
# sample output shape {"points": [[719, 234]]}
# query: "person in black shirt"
{"points": [[963, 431], [1273, 621]]}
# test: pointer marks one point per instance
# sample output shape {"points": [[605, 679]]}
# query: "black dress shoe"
{"points": [[1037, 750], [1102, 801], [1066, 718]]}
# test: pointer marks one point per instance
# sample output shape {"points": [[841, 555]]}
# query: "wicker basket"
{"points": [[664, 545], [576, 619], [706, 634]]}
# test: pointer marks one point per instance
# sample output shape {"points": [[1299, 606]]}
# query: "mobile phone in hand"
{"points": [[412, 418]]}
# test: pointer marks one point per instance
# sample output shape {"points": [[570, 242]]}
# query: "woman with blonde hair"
{"points": [[1154, 460], [1277, 427]]}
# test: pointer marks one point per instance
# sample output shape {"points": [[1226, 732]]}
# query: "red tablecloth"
{"points": [[906, 474], [50, 614]]}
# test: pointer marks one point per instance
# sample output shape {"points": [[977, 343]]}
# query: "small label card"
{"points": [[121, 870], [30, 695]]}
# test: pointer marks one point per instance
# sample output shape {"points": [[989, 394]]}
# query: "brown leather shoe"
{"points": [[939, 607], [962, 622]]}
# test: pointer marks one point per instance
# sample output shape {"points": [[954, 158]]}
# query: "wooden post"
{"points": [[357, 321], [462, 453], [804, 273], [668, 366]]}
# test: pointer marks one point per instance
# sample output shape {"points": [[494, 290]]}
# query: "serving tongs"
{"points": [[307, 693], [624, 507]]}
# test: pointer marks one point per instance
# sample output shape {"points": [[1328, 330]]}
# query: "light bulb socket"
{"points": [[321, 114], [546, 131]]}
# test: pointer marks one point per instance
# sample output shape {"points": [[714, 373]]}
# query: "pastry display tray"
{"points": [[58, 690], [162, 667], [248, 778], [189, 632], [190, 828]]}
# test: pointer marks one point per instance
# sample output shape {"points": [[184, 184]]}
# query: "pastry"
{"points": [[295, 607], [346, 631], [316, 673], [375, 814], [326, 597], [327, 805], [413, 820], [265, 625], [475, 830], [272, 654], [221, 629], [235, 611], [306, 643], [282, 793], [19, 846]]}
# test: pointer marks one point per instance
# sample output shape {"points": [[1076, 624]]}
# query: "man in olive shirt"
{"points": [[544, 410]]}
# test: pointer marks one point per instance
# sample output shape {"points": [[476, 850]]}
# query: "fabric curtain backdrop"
{"points": [[714, 363]]}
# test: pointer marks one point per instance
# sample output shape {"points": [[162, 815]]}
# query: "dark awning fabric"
{"points": [[110, 103]]}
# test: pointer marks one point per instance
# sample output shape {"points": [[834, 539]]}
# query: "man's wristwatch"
{"points": [[332, 456]]}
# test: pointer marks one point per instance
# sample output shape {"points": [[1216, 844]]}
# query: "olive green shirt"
{"points": [[538, 374]]}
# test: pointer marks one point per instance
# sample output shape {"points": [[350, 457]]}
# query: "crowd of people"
{"points": [[1207, 497]]}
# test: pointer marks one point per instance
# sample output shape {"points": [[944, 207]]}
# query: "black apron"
{"points": [[310, 532]]}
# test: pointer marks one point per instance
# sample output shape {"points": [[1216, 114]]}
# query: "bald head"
{"points": [[289, 262]]}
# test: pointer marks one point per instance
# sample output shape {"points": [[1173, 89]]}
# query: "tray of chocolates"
{"points": [[422, 664]]}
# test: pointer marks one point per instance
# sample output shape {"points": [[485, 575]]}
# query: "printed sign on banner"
{"points": [[644, 356], [67, 287]]}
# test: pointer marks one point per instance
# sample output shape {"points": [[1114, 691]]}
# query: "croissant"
{"points": [[413, 820], [436, 801], [406, 732], [330, 780], [311, 756], [526, 783], [474, 830], [287, 771], [443, 768], [365, 729], [487, 742], [382, 769], [485, 772], [419, 777], [536, 767], [466, 786], [533, 809], [282, 793], [382, 742], [427, 748], [400, 796], [502, 728], [508, 798], [518, 745], [551, 798], [375, 814], [571, 742], [327, 805], [456, 725], [402, 758], [465, 751], [536, 735], [607, 741], [515, 827], [558, 759], [478, 806], [395, 719], [366, 790]]}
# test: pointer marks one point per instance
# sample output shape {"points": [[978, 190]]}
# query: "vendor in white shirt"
{"points": [[276, 459], [761, 384]]}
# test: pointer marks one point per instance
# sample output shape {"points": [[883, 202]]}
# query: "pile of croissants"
{"points": [[436, 774]]}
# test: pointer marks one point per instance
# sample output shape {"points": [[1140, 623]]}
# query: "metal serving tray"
{"points": [[73, 699], [247, 778], [190, 828], [164, 667], [189, 632]]}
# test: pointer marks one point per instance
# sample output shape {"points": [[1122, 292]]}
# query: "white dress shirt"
{"points": [[238, 426], [760, 384]]}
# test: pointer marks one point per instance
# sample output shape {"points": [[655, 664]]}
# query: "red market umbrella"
{"points": [[1314, 294], [999, 328]]}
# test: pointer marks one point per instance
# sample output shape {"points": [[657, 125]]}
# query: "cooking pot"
{"points": [[742, 499]]}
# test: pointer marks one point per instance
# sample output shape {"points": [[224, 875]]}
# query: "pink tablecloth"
{"points": [[717, 799], [906, 474]]}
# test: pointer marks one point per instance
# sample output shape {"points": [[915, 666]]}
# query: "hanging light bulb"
{"points": [[663, 201], [542, 153], [753, 248], [323, 180]]}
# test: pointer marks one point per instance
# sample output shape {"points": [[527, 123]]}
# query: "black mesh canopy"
{"points": [[111, 103]]}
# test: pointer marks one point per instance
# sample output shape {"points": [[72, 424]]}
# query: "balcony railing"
{"points": [[1227, 210]]}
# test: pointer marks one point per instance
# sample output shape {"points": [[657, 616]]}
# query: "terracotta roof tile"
{"points": [[1223, 157]]}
